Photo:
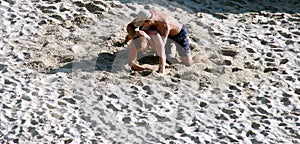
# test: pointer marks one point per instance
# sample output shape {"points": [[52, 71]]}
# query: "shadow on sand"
{"points": [[109, 62], [103, 62]]}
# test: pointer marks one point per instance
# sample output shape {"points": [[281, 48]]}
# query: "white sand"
{"points": [[65, 79]]}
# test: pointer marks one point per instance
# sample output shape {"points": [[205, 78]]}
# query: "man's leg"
{"points": [[185, 52], [170, 48], [171, 51]]}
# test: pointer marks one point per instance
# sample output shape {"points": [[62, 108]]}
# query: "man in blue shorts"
{"points": [[168, 29]]}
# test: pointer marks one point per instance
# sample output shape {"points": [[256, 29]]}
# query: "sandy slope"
{"points": [[65, 79]]}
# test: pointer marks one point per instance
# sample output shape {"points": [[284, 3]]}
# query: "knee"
{"points": [[187, 61], [188, 64]]}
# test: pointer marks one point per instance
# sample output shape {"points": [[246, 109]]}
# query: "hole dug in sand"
{"points": [[150, 61]]}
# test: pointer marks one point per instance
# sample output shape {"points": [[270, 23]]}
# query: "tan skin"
{"points": [[147, 41], [166, 25]]}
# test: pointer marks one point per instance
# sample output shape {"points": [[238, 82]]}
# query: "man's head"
{"points": [[141, 17]]}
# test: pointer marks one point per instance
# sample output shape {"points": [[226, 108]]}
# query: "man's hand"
{"points": [[137, 67]]}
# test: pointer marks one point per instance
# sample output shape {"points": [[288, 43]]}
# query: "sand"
{"points": [[65, 78]]}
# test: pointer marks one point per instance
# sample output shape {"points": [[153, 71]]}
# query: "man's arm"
{"points": [[160, 40], [131, 30], [164, 30], [160, 49]]}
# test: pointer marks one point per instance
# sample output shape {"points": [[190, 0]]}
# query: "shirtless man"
{"points": [[168, 29]]}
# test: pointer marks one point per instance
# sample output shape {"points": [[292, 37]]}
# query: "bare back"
{"points": [[162, 18]]}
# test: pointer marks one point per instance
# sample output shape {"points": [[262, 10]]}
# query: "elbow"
{"points": [[130, 30]]}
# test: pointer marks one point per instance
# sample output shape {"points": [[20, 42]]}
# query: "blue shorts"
{"points": [[181, 41]]}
